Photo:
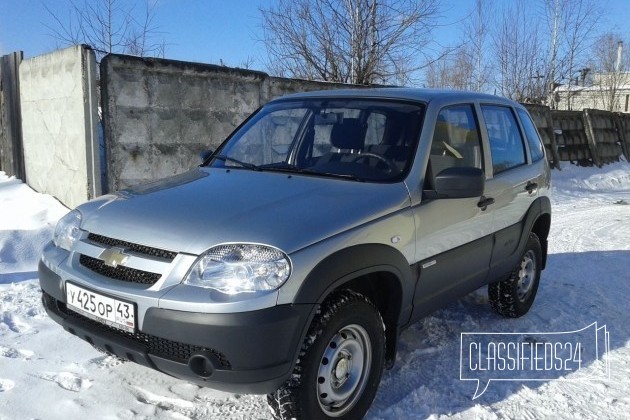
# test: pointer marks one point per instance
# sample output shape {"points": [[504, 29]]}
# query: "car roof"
{"points": [[413, 94]]}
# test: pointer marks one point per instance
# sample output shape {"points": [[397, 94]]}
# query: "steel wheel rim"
{"points": [[526, 275], [343, 370]]}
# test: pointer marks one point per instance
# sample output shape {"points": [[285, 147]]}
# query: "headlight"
{"points": [[67, 231], [238, 268]]}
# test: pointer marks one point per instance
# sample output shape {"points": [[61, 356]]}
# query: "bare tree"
{"points": [[611, 67], [453, 71], [553, 11], [437, 73], [109, 26], [582, 20], [248, 63], [476, 33], [571, 24], [350, 41], [465, 66], [520, 63]]}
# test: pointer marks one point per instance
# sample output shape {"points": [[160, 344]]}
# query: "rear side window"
{"points": [[506, 143], [533, 139]]}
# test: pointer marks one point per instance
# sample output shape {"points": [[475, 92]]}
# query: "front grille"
{"points": [[140, 249], [168, 349], [128, 274]]}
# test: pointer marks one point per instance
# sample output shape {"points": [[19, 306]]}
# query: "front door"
{"points": [[454, 236]]}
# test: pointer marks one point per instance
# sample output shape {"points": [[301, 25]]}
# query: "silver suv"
{"points": [[288, 263]]}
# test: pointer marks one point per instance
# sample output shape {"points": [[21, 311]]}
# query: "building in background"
{"points": [[607, 88], [610, 92]]}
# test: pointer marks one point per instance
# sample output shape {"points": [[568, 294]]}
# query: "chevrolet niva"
{"points": [[290, 261]]}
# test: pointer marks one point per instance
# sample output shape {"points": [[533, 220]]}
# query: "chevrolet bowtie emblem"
{"points": [[113, 257]]}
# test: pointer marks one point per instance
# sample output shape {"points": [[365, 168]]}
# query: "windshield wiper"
{"points": [[280, 167], [247, 165], [286, 167], [332, 175]]}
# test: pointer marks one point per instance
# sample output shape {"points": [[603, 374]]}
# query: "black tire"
{"points": [[513, 297], [343, 353]]}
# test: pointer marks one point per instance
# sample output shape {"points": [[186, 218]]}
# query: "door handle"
{"points": [[531, 187], [485, 202]]}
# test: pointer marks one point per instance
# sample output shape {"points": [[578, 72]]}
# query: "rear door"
{"points": [[513, 185]]}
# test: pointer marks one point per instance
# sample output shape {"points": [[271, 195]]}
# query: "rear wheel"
{"points": [[340, 364], [513, 297]]}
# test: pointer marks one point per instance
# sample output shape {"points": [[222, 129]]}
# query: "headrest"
{"points": [[350, 134], [441, 132]]}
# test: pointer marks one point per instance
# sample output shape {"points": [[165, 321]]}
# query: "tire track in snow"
{"points": [[15, 323], [12, 353], [190, 402], [6, 385], [609, 228], [67, 380]]}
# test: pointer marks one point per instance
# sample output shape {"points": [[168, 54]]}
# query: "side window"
{"points": [[456, 139], [506, 143], [321, 140], [533, 139], [375, 128]]}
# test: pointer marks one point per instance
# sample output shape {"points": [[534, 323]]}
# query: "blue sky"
{"points": [[212, 30]]}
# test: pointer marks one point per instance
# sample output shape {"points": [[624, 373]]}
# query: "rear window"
{"points": [[506, 144], [531, 133]]}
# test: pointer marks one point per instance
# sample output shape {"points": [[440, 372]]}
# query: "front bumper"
{"points": [[247, 352]]}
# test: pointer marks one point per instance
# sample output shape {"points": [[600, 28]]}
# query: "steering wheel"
{"points": [[391, 166]]}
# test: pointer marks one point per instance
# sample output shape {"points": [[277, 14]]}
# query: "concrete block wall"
{"points": [[59, 121], [11, 150], [602, 127], [279, 86], [572, 141], [623, 124], [588, 137], [160, 114]]}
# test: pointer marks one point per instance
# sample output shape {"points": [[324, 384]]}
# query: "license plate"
{"points": [[110, 311]]}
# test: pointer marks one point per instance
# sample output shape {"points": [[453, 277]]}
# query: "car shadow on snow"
{"points": [[576, 290]]}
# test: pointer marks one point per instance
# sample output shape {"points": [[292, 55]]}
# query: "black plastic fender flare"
{"points": [[541, 206], [356, 261]]}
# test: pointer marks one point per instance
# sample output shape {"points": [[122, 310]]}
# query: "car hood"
{"points": [[204, 207]]}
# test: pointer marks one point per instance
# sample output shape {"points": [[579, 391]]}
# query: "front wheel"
{"points": [[340, 364], [513, 297]]}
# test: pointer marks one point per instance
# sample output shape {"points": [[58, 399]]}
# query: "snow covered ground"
{"points": [[46, 373]]}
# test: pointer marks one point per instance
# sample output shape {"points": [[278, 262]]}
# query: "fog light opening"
{"points": [[201, 365]]}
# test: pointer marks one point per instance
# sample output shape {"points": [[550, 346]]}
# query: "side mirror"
{"points": [[205, 155], [460, 182]]}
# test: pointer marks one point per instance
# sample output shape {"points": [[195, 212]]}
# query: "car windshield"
{"points": [[359, 139]]}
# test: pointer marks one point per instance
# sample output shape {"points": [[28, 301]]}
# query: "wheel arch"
{"points": [[537, 220], [541, 228], [379, 272]]}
